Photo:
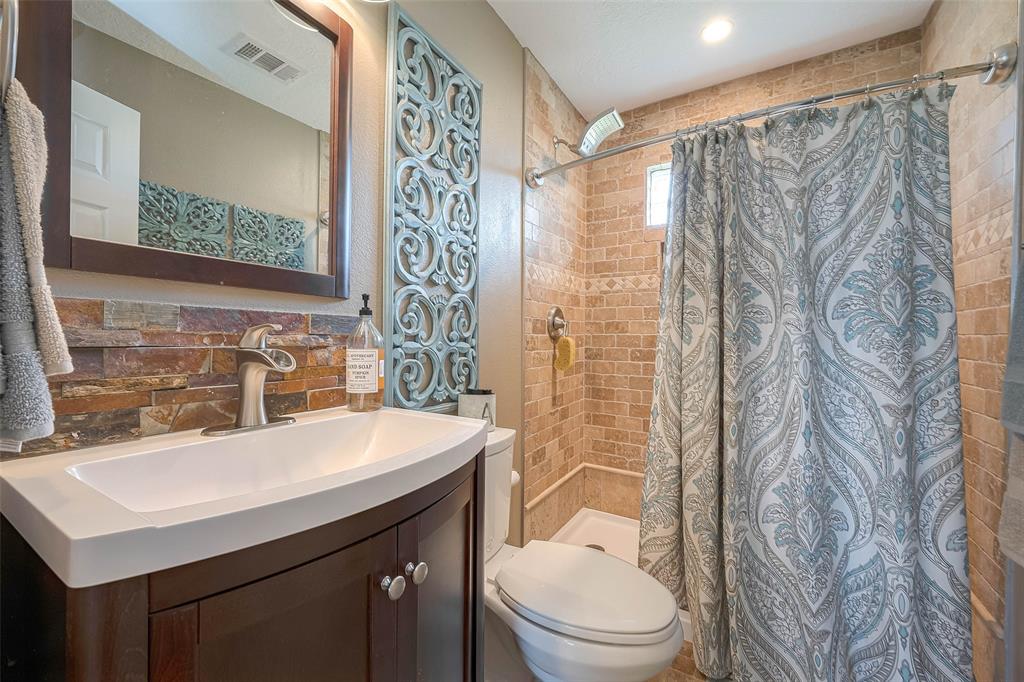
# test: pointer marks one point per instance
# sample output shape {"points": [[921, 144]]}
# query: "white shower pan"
{"points": [[617, 535]]}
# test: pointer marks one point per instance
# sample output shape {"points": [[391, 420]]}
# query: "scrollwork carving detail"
{"points": [[433, 222]]}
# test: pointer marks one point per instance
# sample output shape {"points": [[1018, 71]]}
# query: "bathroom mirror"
{"points": [[207, 142]]}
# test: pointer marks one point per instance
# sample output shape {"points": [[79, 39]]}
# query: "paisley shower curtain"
{"points": [[804, 493]]}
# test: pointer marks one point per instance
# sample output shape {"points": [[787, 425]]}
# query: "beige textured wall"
{"points": [[481, 42], [199, 136], [982, 120]]}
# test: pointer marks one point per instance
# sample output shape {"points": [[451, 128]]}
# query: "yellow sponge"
{"points": [[565, 353]]}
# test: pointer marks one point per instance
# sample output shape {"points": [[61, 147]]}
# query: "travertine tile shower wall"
{"points": [[554, 233], [982, 121]]}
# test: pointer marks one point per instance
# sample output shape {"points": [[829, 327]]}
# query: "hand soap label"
{"points": [[364, 370]]}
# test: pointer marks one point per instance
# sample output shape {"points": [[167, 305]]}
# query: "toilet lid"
{"points": [[585, 593]]}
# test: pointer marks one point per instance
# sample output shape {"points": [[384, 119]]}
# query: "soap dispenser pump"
{"points": [[364, 363]]}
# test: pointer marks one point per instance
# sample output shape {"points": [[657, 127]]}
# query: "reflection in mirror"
{"points": [[202, 127]]}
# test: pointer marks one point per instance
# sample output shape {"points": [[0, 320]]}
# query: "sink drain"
{"points": [[599, 548]]}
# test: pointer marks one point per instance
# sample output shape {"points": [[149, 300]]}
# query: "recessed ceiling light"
{"points": [[716, 30]]}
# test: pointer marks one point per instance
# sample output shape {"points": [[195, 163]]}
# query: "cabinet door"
{"points": [[322, 621], [435, 617]]}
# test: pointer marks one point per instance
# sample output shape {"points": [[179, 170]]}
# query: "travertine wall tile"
{"points": [[554, 222], [982, 124]]}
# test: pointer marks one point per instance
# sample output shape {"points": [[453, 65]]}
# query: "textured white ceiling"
{"points": [[626, 53], [191, 35]]}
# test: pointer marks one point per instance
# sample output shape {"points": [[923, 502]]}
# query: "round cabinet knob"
{"points": [[418, 572], [395, 587]]}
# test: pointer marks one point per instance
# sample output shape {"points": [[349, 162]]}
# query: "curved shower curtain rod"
{"points": [[996, 69]]}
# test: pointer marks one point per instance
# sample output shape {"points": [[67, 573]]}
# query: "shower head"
{"points": [[598, 130]]}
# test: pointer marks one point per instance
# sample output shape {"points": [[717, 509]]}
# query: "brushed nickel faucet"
{"points": [[255, 361]]}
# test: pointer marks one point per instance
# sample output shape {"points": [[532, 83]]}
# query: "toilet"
{"points": [[565, 613]]}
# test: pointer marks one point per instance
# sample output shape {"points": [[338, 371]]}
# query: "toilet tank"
{"points": [[498, 482]]}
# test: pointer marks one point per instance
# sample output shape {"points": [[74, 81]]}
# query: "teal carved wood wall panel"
{"points": [[267, 238], [191, 223], [181, 221], [432, 222]]}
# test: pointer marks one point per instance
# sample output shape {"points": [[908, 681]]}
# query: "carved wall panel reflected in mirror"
{"points": [[208, 141]]}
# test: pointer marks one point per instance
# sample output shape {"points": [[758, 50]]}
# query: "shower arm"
{"points": [[557, 141], [996, 69]]}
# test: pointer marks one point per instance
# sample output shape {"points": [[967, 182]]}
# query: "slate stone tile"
{"points": [[157, 419], [285, 403], [140, 315], [223, 361], [276, 387], [327, 397], [322, 382], [93, 428], [197, 380], [120, 362], [96, 387], [326, 357], [230, 320], [194, 395], [297, 340], [332, 324], [80, 312], [200, 415], [88, 364], [82, 337], [101, 403], [158, 337]]}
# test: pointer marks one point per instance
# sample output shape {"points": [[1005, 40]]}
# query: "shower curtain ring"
{"points": [[914, 84]]}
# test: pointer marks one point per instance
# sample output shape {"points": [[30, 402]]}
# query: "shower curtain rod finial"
{"points": [[533, 178], [1003, 59]]}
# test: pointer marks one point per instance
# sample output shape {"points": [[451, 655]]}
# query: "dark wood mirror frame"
{"points": [[44, 68]]}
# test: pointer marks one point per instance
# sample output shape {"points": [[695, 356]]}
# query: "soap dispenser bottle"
{"points": [[364, 364]]}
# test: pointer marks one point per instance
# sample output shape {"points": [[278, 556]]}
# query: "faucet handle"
{"points": [[256, 336]]}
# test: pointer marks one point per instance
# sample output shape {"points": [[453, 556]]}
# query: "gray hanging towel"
{"points": [[28, 158], [26, 411], [1011, 522]]}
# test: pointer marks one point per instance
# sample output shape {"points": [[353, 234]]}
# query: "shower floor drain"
{"points": [[593, 545]]}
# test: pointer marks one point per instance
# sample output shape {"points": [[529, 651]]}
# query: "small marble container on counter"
{"points": [[478, 403]]}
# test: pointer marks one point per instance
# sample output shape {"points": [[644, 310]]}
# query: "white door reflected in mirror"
{"points": [[104, 167]]}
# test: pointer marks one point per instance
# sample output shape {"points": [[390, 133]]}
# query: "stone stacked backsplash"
{"points": [[143, 369]]}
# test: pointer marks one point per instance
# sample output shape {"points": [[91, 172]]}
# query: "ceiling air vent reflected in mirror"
{"points": [[254, 54]]}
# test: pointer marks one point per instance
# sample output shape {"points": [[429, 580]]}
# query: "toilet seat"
{"points": [[596, 636], [565, 588]]}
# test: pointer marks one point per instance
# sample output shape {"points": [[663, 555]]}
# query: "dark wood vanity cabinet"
{"points": [[285, 611]]}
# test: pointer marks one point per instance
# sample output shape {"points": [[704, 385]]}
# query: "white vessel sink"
{"points": [[112, 512]]}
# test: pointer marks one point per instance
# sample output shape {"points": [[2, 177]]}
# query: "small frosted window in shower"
{"points": [[658, 186]]}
